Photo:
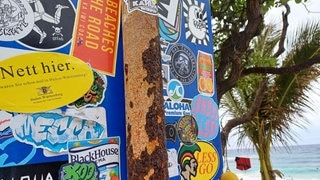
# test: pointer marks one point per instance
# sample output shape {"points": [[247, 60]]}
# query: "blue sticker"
{"points": [[52, 131]]}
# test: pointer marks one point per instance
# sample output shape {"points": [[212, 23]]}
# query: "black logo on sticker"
{"points": [[183, 63], [171, 132], [188, 130], [52, 26], [196, 22]]}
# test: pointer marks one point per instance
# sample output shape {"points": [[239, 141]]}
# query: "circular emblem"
{"points": [[188, 130], [16, 19], [207, 169], [52, 24], [206, 112], [183, 63]]}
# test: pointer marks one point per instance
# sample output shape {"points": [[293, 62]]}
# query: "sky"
{"points": [[300, 15]]}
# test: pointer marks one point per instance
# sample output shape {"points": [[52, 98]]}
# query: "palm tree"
{"points": [[284, 99]]}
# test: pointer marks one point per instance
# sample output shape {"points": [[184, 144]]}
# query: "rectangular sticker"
{"points": [[101, 155], [97, 34]]}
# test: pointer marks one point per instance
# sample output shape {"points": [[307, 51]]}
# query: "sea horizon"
{"points": [[300, 162]]}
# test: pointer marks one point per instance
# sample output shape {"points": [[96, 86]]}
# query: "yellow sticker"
{"points": [[208, 161], [42, 81]]}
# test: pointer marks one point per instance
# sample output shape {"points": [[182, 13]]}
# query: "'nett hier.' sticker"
{"points": [[42, 81]]}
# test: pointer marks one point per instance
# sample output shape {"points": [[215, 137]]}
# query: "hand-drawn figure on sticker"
{"points": [[40, 14], [9, 13], [196, 22], [188, 162]]}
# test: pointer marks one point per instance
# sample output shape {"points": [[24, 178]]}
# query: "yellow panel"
{"points": [[42, 81]]}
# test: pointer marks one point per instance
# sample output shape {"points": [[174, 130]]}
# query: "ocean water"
{"points": [[299, 163]]}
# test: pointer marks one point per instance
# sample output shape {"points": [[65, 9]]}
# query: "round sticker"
{"points": [[188, 130], [16, 21], [205, 111], [208, 161], [52, 25], [183, 63], [42, 81]]}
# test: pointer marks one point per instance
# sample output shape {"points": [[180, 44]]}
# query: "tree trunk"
{"points": [[265, 164], [146, 145]]}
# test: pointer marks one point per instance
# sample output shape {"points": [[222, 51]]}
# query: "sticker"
{"points": [[174, 108], [205, 74], [48, 81], [52, 131], [97, 114], [5, 130], [97, 34], [205, 111], [176, 105], [9, 157], [95, 95], [196, 22], [171, 132], [172, 162], [146, 6], [199, 161], [16, 21], [169, 13], [105, 153], [187, 161], [187, 130], [208, 161], [76, 170], [165, 75], [39, 171], [163, 48], [10, 51], [175, 90], [183, 63], [53, 24]]}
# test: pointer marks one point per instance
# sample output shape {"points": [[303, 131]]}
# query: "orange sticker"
{"points": [[97, 34], [205, 74]]}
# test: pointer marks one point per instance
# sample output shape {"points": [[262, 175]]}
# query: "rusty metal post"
{"points": [[146, 145]]}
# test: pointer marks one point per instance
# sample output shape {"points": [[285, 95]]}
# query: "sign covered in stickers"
{"points": [[62, 94], [191, 110], [60, 82]]}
